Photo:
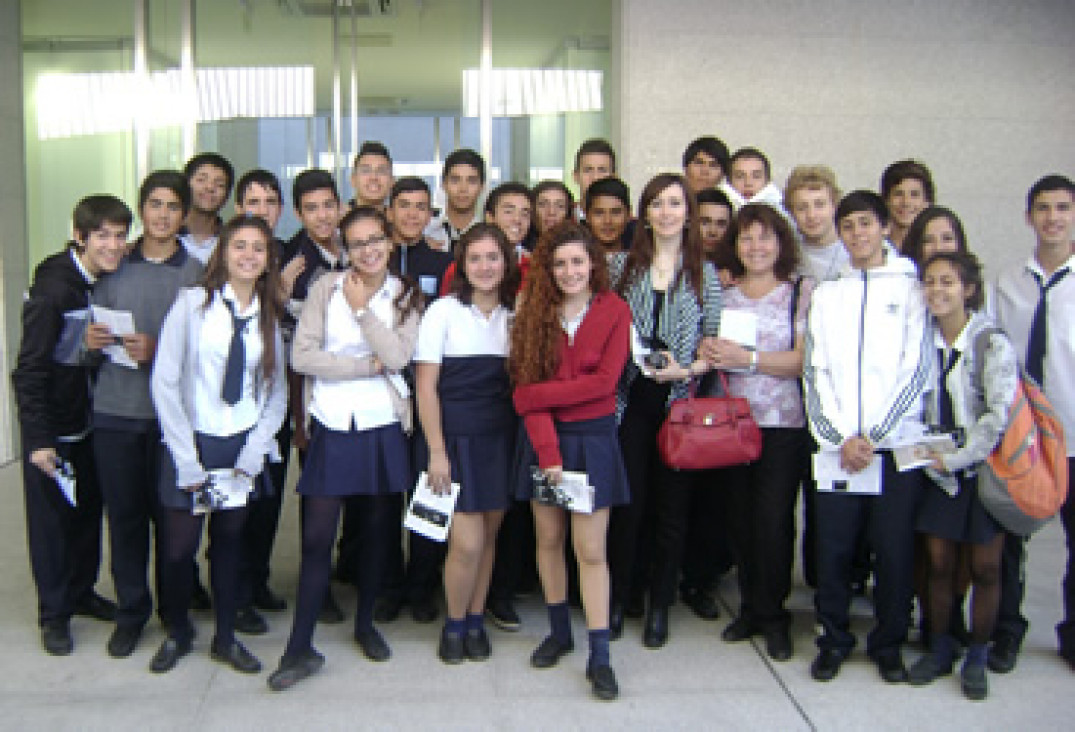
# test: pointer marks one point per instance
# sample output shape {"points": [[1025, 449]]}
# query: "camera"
{"points": [[547, 493], [655, 360]]}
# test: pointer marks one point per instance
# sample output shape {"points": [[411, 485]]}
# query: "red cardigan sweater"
{"points": [[584, 386]]}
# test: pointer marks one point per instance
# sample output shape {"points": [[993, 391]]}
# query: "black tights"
{"points": [[320, 517], [985, 579], [182, 534]]}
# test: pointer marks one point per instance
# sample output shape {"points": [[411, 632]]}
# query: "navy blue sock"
{"points": [[475, 622], [453, 626], [560, 622], [599, 648]]}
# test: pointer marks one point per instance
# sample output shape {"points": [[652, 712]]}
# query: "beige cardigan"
{"points": [[392, 347]]}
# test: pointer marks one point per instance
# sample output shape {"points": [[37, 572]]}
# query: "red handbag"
{"points": [[701, 433]]}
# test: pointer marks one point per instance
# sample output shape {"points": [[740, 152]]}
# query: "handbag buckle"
{"points": [[708, 420]]}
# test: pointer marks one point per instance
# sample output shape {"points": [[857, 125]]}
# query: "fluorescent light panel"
{"points": [[526, 92]]}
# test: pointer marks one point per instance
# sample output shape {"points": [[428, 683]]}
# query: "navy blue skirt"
{"points": [[215, 453], [960, 518], [355, 463], [481, 465], [590, 446]]}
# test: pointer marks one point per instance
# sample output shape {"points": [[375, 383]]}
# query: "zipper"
{"points": [[862, 338]]}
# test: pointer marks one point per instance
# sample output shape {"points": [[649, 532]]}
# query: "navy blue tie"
{"points": [[946, 417], [1039, 329], [232, 390]]}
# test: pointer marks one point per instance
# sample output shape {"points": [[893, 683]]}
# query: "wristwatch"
{"points": [[753, 362]]}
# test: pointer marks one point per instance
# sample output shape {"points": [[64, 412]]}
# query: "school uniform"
{"points": [[203, 430], [976, 414], [51, 388], [477, 417]]}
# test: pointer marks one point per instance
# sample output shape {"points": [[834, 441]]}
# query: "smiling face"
{"points": [[1052, 216], [512, 215], [939, 236], [484, 266], [551, 209], [863, 236], [102, 249], [409, 215], [572, 269], [367, 247], [208, 189], [703, 171], [906, 200], [757, 248], [372, 180], [946, 294], [162, 215], [319, 212], [667, 213], [261, 201], [246, 256], [813, 210]]}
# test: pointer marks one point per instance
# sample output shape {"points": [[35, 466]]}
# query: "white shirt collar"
{"points": [[227, 293], [1032, 265]]}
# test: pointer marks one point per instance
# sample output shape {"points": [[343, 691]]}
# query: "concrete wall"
{"points": [[979, 90], [13, 275]]}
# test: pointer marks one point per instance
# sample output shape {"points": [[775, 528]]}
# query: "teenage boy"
{"points": [[907, 188], [371, 176], [595, 159], [868, 359], [811, 195], [409, 212], [210, 177], [51, 383], [462, 180], [258, 194], [317, 244], [750, 180], [705, 163], [714, 218], [607, 206], [1033, 304], [127, 437]]}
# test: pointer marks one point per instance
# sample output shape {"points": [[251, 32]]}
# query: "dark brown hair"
{"points": [[969, 270], [509, 286], [410, 297], [769, 218], [267, 287], [912, 242]]}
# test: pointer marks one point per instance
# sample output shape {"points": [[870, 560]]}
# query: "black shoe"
{"points": [[424, 610], [293, 669], [56, 638], [549, 652], [778, 644], [451, 650], [166, 657], [249, 621], [330, 612], [740, 629], [199, 599], [477, 645], [388, 608], [96, 607], [701, 602], [615, 621], [827, 664], [972, 679], [124, 640], [603, 682], [1003, 654], [928, 669], [655, 634], [891, 668], [236, 656], [266, 599], [503, 615], [373, 644]]}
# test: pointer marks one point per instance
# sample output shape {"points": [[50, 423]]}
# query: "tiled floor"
{"points": [[696, 682]]}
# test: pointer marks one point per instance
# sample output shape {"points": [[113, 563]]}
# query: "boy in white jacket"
{"points": [[868, 359]]}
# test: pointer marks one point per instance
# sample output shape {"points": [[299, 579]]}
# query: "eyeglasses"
{"points": [[371, 242]]}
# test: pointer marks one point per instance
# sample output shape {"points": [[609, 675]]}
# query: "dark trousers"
{"points": [[1065, 631], [128, 468], [262, 521], [707, 553], [64, 540], [808, 549], [650, 479], [888, 520], [761, 522]]}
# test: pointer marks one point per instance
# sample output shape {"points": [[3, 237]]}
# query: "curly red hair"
{"points": [[537, 333]]}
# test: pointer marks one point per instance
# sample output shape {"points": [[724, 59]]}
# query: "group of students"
{"points": [[498, 352]]}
